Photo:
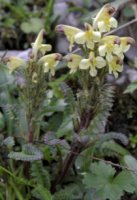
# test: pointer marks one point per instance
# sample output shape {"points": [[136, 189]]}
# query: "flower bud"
{"points": [[36, 45]]}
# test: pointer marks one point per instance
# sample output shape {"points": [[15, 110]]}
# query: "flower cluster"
{"points": [[102, 50], [48, 62]]}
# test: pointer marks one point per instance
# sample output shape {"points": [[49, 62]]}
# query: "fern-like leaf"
{"points": [[41, 193], [69, 98], [111, 148], [70, 117], [70, 192], [112, 135], [29, 153], [9, 141], [104, 105], [40, 175]]}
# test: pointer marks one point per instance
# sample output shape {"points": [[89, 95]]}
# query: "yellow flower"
{"points": [[34, 77], [110, 45], [88, 37], [104, 20], [115, 66], [69, 32], [125, 43], [73, 62], [45, 48], [113, 45], [50, 62], [92, 63], [38, 46], [13, 63]]}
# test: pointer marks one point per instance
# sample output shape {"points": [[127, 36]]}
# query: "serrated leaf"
{"points": [[29, 153], [125, 181], [9, 141], [131, 162], [108, 186], [114, 147]]}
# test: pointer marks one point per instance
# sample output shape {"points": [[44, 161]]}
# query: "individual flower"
{"points": [[73, 62], [125, 43], [50, 62], [110, 45], [45, 48], [104, 20], [69, 32], [88, 37], [38, 46], [92, 63], [115, 66], [13, 63]]}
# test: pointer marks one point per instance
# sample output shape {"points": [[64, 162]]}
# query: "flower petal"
{"points": [[102, 27], [84, 64], [93, 72], [96, 36], [80, 37], [46, 67], [113, 22], [109, 57], [100, 62], [102, 50], [90, 45], [44, 48]]}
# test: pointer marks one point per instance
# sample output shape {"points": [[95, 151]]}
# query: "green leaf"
{"points": [[65, 128], [112, 146], [29, 153], [125, 181], [108, 186], [19, 180], [33, 25], [128, 11], [131, 87], [41, 193], [40, 175], [25, 27], [131, 162], [2, 122]]}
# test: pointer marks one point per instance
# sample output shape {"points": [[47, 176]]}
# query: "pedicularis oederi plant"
{"points": [[81, 133]]}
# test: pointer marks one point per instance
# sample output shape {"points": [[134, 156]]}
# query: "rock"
{"points": [[21, 54]]}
